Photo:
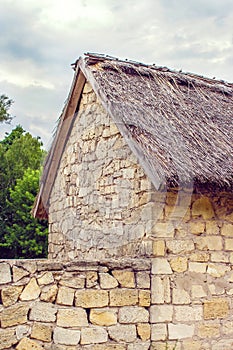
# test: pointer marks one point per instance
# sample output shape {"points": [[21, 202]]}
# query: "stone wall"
{"points": [[174, 301]]}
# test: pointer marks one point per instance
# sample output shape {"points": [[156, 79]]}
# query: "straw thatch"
{"points": [[180, 124]]}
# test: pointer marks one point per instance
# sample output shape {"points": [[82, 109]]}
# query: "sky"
{"points": [[41, 38]]}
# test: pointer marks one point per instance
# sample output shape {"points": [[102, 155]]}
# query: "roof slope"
{"points": [[179, 125]]}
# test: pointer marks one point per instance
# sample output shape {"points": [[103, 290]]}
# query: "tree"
{"points": [[5, 104], [26, 236], [19, 151]]}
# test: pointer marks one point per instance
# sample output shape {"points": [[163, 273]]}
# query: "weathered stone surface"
{"points": [[46, 278], [209, 243], [179, 264], [42, 331], [161, 313], [93, 335], [158, 248], [91, 279], [144, 297], [188, 313], [143, 279], [139, 346], [31, 291], [7, 338], [19, 273], [202, 207], [43, 312], [227, 230], [133, 314], [49, 293], [158, 332], [180, 296], [66, 336], [226, 344], [5, 273], [107, 281], [143, 330], [229, 244], [73, 281], [103, 317], [28, 344], [161, 266], [179, 331], [123, 297], [65, 296], [91, 298], [198, 291], [105, 346], [216, 308], [197, 227], [125, 278], [180, 246], [121, 333], [72, 317], [10, 295], [197, 267], [14, 315], [160, 290], [216, 270], [208, 330], [22, 331]]}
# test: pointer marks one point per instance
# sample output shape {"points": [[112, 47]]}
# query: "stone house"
{"points": [[137, 188]]}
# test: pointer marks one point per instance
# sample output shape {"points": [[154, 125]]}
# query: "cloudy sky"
{"points": [[41, 38]]}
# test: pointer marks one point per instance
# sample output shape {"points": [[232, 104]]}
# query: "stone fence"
{"points": [[127, 304]]}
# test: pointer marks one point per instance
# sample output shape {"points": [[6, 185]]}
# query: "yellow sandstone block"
{"points": [[216, 308]]}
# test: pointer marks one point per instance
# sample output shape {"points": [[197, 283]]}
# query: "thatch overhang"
{"points": [[179, 125]]}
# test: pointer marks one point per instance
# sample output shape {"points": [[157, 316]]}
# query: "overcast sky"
{"points": [[41, 38]]}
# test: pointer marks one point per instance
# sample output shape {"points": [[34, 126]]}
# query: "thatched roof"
{"points": [[179, 125]]}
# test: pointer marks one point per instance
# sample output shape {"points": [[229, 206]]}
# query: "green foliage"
{"points": [[5, 104], [21, 236], [26, 237]]}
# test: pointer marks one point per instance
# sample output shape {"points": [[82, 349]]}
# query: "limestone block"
{"points": [[91, 279], [180, 331], [122, 333], [72, 317], [209, 243], [66, 336], [216, 308], [228, 327], [179, 264], [22, 331], [180, 246], [139, 346], [103, 317], [65, 296], [200, 257], [212, 228], [197, 267], [73, 281], [144, 298], [161, 313], [217, 270], [226, 344], [43, 312], [19, 273], [219, 257], [5, 273], [49, 293], [105, 346], [10, 295], [143, 330], [133, 314], [14, 315], [91, 298], [93, 335], [202, 207], [197, 227], [163, 230], [166, 345], [208, 330], [28, 344], [42, 331], [125, 278], [160, 290], [7, 338], [123, 297], [107, 281], [46, 278], [161, 266], [197, 291], [31, 291], [188, 313], [158, 332], [143, 279], [193, 345], [229, 243], [180, 296], [227, 230], [158, 248]]}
